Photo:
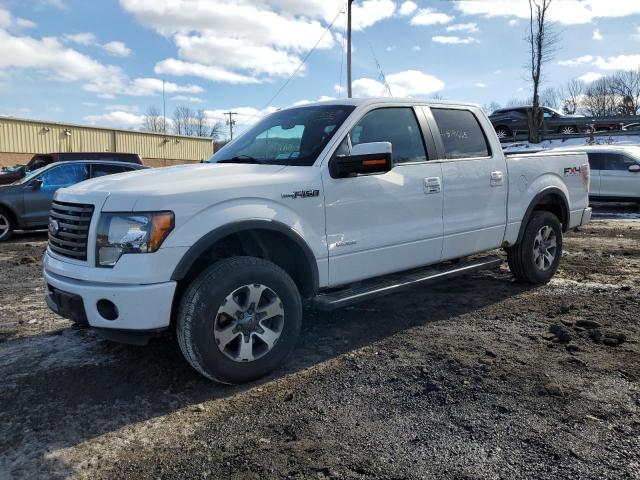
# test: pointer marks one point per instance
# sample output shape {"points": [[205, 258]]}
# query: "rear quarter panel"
{"points": [[532, 174]]}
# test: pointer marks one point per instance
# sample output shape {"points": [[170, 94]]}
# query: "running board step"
{"points": [[399, 281]]}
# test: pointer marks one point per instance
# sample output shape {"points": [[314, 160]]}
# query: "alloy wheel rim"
{"points": [[545, 248], [4, 225], [249, 323], [567, 130]]}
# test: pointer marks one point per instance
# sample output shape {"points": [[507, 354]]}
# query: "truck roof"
{"points": [[359, 102]]}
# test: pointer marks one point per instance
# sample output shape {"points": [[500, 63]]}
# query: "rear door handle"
{"points": [[432, 185], [497, 179]]}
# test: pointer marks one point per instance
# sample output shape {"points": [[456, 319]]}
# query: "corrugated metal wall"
{"points": [[25, 136]]}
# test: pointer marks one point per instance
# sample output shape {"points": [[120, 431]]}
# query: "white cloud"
{"points": [[85, 38], [185, 98], [481, 85], [576, 61], [118, 119], [370, 12], [566, 12], [620, 62], [463, 27], [123, 108], [178, 68], [402, 84], [117, 49], [453, 40], [9, 22], [390, 48], [407, 8], [513, 22], [250, 39], [427, 16], [416, 48], [24, 23], [323, 98], [590, 77], [597, 35]]}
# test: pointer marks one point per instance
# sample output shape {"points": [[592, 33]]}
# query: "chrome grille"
{"points": [[69, 229]]}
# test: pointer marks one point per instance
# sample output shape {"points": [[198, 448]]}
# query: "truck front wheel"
{"points": [[239, 319], [536, 257]]}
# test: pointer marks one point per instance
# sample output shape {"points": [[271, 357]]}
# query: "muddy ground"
{"points": [[476, 378]]}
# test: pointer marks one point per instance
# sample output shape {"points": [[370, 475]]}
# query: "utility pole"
{"points": [[349, 90], [231, 122]]}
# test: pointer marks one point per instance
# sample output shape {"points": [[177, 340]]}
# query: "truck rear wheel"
{"points": [[536, 257], [239, 319]]}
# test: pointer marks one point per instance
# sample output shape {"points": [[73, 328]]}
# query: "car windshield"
{"points": [[294, 136], [29, 175]]}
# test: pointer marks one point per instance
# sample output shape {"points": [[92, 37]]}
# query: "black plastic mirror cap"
{"points": [[342, 166]]}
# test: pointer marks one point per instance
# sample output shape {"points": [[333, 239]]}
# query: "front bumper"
{"points": [[139, 307]]}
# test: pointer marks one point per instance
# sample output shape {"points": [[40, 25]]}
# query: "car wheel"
{"points": [[537, 257], [503, 132], [239, 319], [7, 225], [568, 130]]}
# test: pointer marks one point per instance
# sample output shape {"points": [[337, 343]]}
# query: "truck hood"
{"points": [[123, 192]]}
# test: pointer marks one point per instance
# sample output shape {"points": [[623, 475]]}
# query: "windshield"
{"points": [[294, 136], [29, 175]]}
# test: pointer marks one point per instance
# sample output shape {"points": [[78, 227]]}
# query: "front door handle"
{"points": [[432, 185], [497, 179]]}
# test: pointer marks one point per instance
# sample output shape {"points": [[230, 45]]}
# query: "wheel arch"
{"points": [[7, 209], [551, 199], [268, 239]]}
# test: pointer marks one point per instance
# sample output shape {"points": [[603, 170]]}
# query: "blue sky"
{"points": [[103, 62]]}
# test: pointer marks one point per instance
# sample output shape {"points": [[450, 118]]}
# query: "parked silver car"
{"points": [[25, 204], [615, 172]]}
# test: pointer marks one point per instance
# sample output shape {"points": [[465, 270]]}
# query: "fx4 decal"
{"points": [[302, 194], [572, 171]]}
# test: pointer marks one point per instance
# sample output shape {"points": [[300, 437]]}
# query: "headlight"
{"points": [[120, 233]]}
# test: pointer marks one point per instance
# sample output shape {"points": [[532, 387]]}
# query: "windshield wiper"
{"points": [[241, 159]]}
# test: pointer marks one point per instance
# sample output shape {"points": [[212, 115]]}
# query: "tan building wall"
{"points": [[21, 139]]}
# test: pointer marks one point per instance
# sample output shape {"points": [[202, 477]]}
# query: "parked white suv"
{"points": [[331, 203], [615, 172]]}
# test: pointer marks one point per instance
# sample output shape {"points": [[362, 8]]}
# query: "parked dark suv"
{"points": [[512, 121], [25, 204], [42, 160]]}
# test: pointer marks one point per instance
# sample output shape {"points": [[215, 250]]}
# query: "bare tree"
{"points": [[153, 120], [202, 124], [217, 131], [626, 87], [599, 98], [573, 97], [542, 42], [490, 107], [518, 102], [552, 97], [184, 121]]}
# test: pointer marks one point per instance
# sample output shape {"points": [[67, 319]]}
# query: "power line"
{"points": [[381, 75]]}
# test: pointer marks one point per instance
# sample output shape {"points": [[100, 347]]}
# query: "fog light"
{"points": [[107, 309]]}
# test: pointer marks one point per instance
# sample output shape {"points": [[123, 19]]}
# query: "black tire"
{"points": [[7, 225], [199, 312], [503, 132], [521, 257]]}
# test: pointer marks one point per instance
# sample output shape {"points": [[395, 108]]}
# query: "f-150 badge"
{"points": [[572, 171], [302, 194]]}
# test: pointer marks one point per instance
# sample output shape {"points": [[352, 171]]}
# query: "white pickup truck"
{"points": [[326, 204]]}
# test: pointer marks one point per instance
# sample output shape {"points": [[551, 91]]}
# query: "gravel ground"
{"points": [[476, 378]]}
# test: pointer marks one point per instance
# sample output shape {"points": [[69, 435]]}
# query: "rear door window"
{"points": [[461, 134], [616, 161]]}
